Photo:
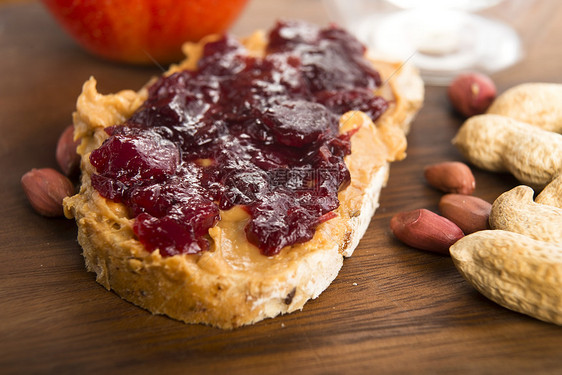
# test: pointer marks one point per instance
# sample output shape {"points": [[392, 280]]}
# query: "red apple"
{"points": [[140, 31]]}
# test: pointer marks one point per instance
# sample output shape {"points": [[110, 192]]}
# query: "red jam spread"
{"points": [[260, 132]]}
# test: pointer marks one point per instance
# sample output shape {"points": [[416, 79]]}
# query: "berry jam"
{"points": [[260, 132]]}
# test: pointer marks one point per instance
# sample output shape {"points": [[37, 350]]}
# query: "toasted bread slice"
{"points": [[232, 284]]}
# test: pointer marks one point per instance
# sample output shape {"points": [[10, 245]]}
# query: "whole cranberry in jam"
{"points": [[260, 132]]}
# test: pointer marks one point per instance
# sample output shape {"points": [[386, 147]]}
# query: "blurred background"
{"points": [[441, 37]]}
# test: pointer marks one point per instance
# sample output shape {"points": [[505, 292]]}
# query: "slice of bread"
{"points": [[232, 284]]}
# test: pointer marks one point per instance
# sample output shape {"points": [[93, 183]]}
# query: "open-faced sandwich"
{"points": [[231, 188]]}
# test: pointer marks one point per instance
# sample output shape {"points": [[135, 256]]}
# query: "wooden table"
{"points": [[392, 309]]}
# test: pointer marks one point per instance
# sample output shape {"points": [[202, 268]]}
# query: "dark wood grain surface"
{"points": [[392, 309]]}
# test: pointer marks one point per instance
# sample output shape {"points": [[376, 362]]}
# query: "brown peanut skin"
{"points": [[471, 93], [66, 155], [470, 213], [425, 230], [451, 177], [45, 189]]}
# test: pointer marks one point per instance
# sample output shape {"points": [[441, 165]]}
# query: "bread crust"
{"points": [[232, 284]]}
